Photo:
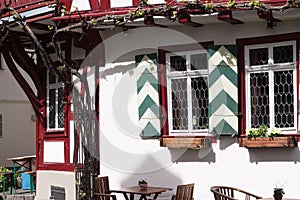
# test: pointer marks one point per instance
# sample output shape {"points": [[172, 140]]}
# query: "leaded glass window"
{"points": [[187, 92], [55, 103], [271, 86]]}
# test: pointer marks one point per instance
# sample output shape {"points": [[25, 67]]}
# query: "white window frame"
{"points": [[267, 68], [180, 74], [56, 86]]}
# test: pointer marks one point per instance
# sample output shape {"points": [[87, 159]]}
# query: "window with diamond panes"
{"points": [[55, 103], [271, 86], [187, 92]]}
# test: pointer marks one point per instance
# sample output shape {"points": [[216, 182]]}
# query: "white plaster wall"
{"points": [[9, 88], [48, 178], [18, 128], [125, 157]]}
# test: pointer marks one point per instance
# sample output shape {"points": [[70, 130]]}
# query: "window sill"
{"points": [[289, 141], [186, 142]]}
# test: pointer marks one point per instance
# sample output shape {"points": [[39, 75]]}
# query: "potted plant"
{"points": [[143, 184], [278, 193], [266, 137]]}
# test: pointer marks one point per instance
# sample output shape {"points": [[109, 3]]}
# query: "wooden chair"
{"points": [[101, 189], [184, 192], [230, 193]]}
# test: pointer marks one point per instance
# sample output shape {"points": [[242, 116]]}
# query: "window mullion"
{"points": [[189, 103], [189, 93], [271, 99]]}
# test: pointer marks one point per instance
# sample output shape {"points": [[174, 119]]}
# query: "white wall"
{"points": [[48, 178], [18, 128], [125, 157]]}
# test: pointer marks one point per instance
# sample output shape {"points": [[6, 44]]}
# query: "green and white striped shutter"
{"points": [[148, 95], [223, 90]]}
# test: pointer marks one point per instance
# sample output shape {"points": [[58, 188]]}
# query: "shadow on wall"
{"points": [[274, 154], [193, 155], [264, 154], [226, 141], [160, 178]]}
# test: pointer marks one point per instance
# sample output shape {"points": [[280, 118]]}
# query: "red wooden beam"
{"points": [[21, 81], [95, 5], [105, 5], [22, 59]]}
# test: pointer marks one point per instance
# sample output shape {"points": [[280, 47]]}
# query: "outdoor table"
{"points": [[22, 164], [131, 191]]}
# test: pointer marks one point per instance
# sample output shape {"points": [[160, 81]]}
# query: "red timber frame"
{"points": [[241, 43], [14, 54]]}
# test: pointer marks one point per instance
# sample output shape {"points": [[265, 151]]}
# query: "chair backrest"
{"points": [[230, 193], [184, 192], [101, 185]]}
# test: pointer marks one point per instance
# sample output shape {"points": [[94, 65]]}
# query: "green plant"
{"points": [[142, 181], [278, 191], [2, 178], [263, 131]]}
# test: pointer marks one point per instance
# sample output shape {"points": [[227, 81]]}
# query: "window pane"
{"points": [[61, 108], [284, 99], [283, 54], [52, 78], [259, 56], [200, 103], [179, 104], [259, 89], [52, 108], [178, 63], [198, 61]]}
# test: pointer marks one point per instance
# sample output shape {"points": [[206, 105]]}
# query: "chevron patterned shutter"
{"points": [[223, 90], [147, 95]]}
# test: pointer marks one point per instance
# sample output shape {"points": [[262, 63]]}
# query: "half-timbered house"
{"points": [[161, 90]]}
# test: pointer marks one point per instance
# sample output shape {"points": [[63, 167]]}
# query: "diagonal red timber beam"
{"points": [[26, 63], [21, 81]]}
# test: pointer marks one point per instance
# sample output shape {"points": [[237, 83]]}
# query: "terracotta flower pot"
{"points": [[143, 186]]}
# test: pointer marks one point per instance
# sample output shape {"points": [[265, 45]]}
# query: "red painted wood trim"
{"points": [[163, 91], [241, 43], [105, 5], [21, 81], [162, 51], [39, 18], [92, 15], [135, 3], [28, 3], [57, 167], [95, 5], [27, 64], [67, 3], [29, 7]]}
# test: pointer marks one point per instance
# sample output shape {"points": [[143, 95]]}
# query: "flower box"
{"points": [[289, 141], [186, 142]]}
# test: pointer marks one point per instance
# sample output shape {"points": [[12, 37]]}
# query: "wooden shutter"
{"points": [[223, 90], [147, 95]]}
